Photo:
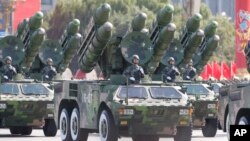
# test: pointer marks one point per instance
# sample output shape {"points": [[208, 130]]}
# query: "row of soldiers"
{"points": [[133, 72], [169, 73], [8, 71]]}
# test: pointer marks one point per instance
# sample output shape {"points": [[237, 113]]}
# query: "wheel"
{"points": [[64, 125], [243, 121], [26, 130], [75, 131], [184, 133], [210, 128], [107, 129], [145, 138], [15, 130], [228, 127], [50, 129]]}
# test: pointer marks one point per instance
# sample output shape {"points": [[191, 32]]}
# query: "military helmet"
{"points": [[49, 60], [8, 58], [171, 59], [136, 57]]}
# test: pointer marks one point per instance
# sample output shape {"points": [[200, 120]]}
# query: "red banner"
{"points": [[25, 9], [216, 70], [242, 23]]}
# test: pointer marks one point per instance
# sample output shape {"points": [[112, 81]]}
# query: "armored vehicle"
{"points": [[115, 107], [204, 104], [28, 101], [25, 105]]}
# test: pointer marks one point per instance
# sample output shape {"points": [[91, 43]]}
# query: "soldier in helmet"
{"points": [[49, 71], [170, 72], [190, 71], [8, 71], [134, 72]]}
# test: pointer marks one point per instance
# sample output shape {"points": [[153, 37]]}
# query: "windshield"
{"points": [[165, 92], [216, 88], [133, 92], [6, 88], [34, 89], [197, 89]]}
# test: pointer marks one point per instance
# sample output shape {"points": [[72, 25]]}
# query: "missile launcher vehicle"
{"points": [[27, 102], [114, 108]]}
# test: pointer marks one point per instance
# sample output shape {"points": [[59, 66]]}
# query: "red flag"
{"points": [[204, 73], [80, 74], [209, 71], [225, 70], [233, 69], [216, 70]]}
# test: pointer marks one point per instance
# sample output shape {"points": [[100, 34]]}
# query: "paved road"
{"points": [[37, 135]]}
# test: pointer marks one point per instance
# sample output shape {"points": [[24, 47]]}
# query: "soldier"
{"points": [[8, 71], [190, 71], [49, 71], [170, 72], [134, 72]]}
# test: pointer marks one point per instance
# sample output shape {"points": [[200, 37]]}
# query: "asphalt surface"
{"points": [[37, 135]]}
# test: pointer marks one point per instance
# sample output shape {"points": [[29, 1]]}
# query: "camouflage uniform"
{"points": [[8, 71], [189, 73], [134, 72], [170, 72], [49, 71]]}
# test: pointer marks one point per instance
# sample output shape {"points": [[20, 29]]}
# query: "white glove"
{"points": [[141, 70], [188, 77], [5, 77], [46, 76], [168, 78], [132, 78]]}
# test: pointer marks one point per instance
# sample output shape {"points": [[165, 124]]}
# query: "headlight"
{"points": [[211, 106], [126, 111], [50, 106], [3, 106], [184, 111]]}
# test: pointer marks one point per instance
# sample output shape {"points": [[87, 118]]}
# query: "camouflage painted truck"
{"points": [[238, 101], [204, 102], [112, 107], [27, 102]]}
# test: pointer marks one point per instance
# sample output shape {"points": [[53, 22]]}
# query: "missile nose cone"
{"points": [[76, 22], [200, 32], [216, 37], [142, 16], [214, 24], [107, 26], [39, 15], [197, 17], [106, 7], [171, 27], [169, 8]]}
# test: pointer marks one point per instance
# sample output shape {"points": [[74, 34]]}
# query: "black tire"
{"points": [[145, 138], [75, 131], [107, 128], [50, 129], [26, 130], [210, 128], [64, 125], [184, 133], [15, 130]]}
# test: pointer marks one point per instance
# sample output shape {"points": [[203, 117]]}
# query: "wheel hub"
{"points": [[63, 126], [104, 128], [75, 126]]}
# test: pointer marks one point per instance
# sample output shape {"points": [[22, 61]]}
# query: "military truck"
{"points": [[28, 101], [113, 107], [25, 105], [204, 104], [237, 99]]}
